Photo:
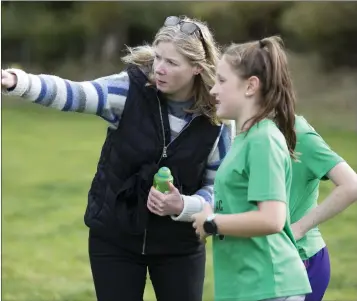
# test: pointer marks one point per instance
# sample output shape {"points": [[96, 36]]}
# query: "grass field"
{"points": [[48, 161]]}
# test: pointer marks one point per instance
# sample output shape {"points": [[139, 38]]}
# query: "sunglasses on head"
{"points": [[187, 27]]}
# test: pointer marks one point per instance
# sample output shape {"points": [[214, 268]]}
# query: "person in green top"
{"points": [[255, 255], [317, 162]]}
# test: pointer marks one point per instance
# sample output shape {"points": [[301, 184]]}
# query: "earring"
{"points": [[246, 94]]}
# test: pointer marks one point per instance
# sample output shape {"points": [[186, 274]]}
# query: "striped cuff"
{"points": [[23, 83], [191, 205]]}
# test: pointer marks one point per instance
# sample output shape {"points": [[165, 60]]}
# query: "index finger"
{"points": [[157, 193]]}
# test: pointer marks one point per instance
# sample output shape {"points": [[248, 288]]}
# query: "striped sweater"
{"points": [[105, 97]]}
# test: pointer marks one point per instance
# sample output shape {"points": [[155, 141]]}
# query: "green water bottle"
{"points": [[161, 179]]}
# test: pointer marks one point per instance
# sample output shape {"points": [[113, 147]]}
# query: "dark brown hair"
{"points": [[266, 59]]}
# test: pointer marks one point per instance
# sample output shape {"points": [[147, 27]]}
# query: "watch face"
{"points": [[209, 227]]}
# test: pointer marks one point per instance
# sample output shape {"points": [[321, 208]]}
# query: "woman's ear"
{"points": [[197, 70]]}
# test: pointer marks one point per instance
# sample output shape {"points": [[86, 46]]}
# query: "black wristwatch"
{"points": [[210, 226]]}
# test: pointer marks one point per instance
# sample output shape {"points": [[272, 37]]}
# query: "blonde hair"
{"points": [[192, 48]]}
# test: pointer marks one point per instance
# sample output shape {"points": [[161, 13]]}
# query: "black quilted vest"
{"points": [[130, 157]]}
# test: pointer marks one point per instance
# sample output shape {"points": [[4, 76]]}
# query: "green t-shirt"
{"points": [[316, 159], [257, 168]]}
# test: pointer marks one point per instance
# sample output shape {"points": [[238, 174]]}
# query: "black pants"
{"points": [[120, 275]]}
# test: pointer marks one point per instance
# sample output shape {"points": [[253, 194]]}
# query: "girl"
{"points": [[158, 109], [254, 252], [317, 162]]}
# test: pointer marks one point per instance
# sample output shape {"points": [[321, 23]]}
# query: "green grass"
{"points": [[49, 159]]}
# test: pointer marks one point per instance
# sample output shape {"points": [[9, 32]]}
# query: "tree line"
{"points": [[49, 33]]}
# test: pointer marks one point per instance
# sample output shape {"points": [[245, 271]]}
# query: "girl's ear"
{"points": [[253, 84]]}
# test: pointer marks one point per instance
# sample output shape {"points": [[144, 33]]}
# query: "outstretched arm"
{"points": [[104, 97]]}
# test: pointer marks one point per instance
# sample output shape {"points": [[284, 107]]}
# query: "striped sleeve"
{"points": [[104, 97], [194, 203], [215, 159]]}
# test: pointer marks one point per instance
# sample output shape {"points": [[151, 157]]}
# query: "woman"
{"points": [[254, 252], [157, 109], [317, 162]]}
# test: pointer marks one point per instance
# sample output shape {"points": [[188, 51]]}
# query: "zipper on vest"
{"points": [[164, 152], [144, 243], [164, 149], [163, 155]]}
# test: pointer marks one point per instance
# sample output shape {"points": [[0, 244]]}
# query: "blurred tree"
{"points": [[49, 33], [242, 21], [108, 28], [329, 28], [40, 32]]}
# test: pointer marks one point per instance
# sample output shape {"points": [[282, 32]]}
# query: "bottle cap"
{"points": [[164, 173]]}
